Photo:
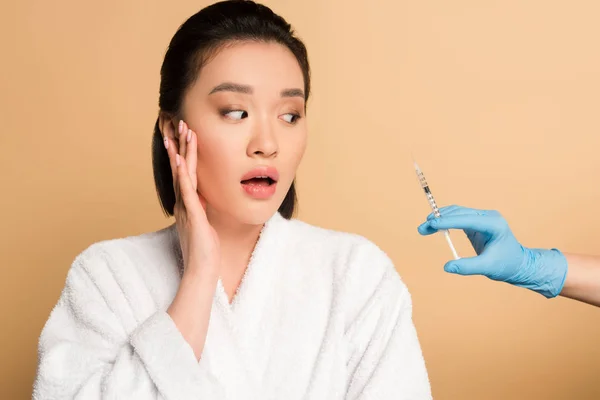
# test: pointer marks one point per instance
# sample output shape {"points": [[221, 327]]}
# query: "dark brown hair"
{"points": [[195, 41]]}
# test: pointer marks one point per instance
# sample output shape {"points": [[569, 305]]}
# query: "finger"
{"points": [[456, 209], [444, 210], [182, 134], [478, 223], [188, 194], [171, 151], [456, 213], [192, 157], [466, 266], [426, 229]]}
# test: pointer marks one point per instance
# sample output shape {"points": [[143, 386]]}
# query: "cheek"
{"points": [[216, 162], [295, 148]]}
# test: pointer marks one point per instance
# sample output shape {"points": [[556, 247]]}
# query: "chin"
{"points": [[246, 211], [256, 212]]}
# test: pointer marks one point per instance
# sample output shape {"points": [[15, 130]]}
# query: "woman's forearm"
{"points": [[583, 279], [191, 307]]}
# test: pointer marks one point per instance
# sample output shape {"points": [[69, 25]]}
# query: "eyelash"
{"points": [[296, 117], [225, 112]]}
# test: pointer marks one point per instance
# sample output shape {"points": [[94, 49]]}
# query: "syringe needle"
{"points": [[434, 207]]}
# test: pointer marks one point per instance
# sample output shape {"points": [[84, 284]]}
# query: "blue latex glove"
{"points": [[499, 255]]}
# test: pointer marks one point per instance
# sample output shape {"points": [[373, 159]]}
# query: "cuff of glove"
{"points": [[548, 272]]}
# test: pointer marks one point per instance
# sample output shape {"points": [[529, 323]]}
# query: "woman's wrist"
{"points": [[205, 274], [191, 307]]}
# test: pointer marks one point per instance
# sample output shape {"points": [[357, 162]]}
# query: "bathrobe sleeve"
{"points": [[386, 360], [86, 352]]}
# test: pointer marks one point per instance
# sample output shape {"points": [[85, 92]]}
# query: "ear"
{"points": [[169, 128]]}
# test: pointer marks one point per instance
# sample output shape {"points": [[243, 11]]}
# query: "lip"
{"points": [[261, 192], [263, 170]]}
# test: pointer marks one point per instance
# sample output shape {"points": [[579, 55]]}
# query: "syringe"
{"points": [[434, 207]]}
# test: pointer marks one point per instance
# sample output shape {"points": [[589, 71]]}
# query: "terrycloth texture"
{"points": [[319, 315]]}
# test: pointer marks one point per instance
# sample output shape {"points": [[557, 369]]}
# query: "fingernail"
{"points": [[180, 126], [451, 268], [189, 136], [177, 161], [166, 140]]}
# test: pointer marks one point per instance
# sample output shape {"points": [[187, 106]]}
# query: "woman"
{"points": [[236, 300]]}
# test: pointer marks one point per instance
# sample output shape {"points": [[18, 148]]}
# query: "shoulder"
{"points": [[351, 254], [362, 272], [309, 234], [123, 257]]}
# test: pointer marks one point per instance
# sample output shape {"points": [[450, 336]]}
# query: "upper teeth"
{"points": [[262, 176]]}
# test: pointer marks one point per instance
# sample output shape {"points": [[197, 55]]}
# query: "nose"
{"points": [[263, 142]]}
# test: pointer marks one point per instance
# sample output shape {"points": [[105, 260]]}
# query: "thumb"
{"points": [[465, 266]]}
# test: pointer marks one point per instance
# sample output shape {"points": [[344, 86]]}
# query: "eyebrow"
{"points": [[292, 93], [245, 89], [232, 87]]}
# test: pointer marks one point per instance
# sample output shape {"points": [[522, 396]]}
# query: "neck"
{"points": [[237, 240]]}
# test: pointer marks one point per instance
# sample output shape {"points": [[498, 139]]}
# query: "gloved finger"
{"points": [[467, 266], [479, 223], [444, 210], [426, 229], [458, 210], [429, 227], [454, 209]]}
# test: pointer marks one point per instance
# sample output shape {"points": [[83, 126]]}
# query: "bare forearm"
{"points": [[583, 279], [190, 309]]}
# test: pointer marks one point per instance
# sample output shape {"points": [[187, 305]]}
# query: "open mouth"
{"points": [[259, 181]]}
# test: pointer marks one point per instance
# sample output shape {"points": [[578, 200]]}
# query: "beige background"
{"points": [[498, 101]]}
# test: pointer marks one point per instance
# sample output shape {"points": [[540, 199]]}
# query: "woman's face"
{"points": [[247, 108]]}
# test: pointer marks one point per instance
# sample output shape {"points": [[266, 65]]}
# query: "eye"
{"points": [[235, 115], [291, 118]]}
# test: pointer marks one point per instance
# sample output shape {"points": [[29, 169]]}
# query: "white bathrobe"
{"points": [[319, 315]]}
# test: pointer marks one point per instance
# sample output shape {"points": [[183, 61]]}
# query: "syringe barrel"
{"points": [[433, 205]]}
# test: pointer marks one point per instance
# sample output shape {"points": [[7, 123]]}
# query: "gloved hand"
{"points": [[499, 255]]}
